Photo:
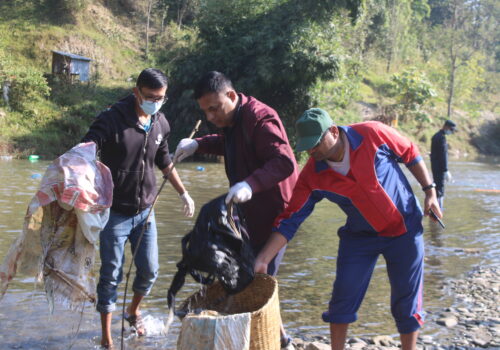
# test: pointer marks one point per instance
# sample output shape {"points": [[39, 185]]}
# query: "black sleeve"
{"points": [[444, 150], [99, 131], [162, 157], [439, 153]]}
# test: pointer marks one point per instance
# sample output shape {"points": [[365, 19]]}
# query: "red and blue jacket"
{"points": [[375, 194]]}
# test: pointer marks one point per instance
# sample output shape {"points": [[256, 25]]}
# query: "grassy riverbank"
{"points": [[47, 115]]}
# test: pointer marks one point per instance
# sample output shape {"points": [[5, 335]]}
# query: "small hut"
{"points": [[71, 65]]}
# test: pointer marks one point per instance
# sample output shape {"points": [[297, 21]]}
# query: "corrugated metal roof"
{"points": [[71, 55]]}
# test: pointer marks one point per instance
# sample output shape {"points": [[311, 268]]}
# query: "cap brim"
{"points": [[305, 143]]}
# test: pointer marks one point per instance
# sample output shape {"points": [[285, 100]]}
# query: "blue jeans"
{"points": [[118, 230]]}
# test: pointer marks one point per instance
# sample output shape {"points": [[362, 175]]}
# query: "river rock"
{"points": [[448, 322], [495, 330], [481, 337], [356, 340], [383, 340], [356, 343], [315, 345], [427, 339], [299, 343]]}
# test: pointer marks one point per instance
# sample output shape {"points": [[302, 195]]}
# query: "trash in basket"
{"points": [[217, 247]]}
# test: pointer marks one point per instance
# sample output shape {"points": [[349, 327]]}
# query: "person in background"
{"points": [[258, 159], [131, 138], [356, 166], [439, 158]]}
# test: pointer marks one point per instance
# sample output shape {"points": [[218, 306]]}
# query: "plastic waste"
{"points": [[33, 157], [36, 176], [200, 168], [217, 247], [6, 157]]}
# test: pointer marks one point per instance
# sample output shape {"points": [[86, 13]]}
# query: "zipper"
{"points": [[146, 135]]}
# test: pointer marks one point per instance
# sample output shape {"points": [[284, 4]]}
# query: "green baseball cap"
{"points": [[310, 127]]}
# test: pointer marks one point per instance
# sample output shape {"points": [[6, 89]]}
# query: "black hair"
{"points": [[212, 82], [152, 78]]}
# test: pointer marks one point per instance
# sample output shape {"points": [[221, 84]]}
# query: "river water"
{"points": [[471, 237]]}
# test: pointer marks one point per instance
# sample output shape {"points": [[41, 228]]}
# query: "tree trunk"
{"points": [[451, 87], [393, 34], [181, 10], [150, 7], [453, 59]]}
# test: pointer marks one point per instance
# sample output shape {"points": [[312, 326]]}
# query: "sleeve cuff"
{"points": [[414, 161]]}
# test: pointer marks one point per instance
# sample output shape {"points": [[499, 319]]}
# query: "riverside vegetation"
{"points": [[414, 63], [411, 63]]}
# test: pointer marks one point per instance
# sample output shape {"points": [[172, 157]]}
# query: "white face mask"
{"points": [[150, 107]]}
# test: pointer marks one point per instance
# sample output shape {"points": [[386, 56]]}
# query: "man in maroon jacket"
{"points": [[259, 161]]}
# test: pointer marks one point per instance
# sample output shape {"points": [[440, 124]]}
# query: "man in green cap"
{"points": [[356, 166]]}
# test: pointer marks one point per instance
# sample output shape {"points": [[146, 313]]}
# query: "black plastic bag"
{"points": [[217, 247]]}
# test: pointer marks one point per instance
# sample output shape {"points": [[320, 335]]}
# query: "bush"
{"points": [[413, 91], [27, 84]]}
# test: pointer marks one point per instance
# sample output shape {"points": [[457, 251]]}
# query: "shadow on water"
{"points": [[306, 275]]}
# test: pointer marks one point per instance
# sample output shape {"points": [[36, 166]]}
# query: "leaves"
{"points": [[273, 50]]}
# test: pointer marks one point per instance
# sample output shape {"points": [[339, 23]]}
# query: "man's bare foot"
{"points": [[135, 321], [107, 344]]}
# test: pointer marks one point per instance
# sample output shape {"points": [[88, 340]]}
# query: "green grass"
{"points": [[49, 126], [28, 33]]}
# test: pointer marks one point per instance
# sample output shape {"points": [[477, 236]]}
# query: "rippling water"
{"points": [[306, 275]]}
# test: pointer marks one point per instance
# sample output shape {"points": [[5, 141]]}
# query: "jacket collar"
{"points": [[354, 139], [242, 99]]}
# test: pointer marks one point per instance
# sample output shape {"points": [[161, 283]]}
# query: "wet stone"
{"points": [[482, 337], [383, 340], [299, 343], [448, 322], [317, 346], [427, 339], [356, 340]]}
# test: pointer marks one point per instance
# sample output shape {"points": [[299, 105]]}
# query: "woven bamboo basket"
{"points": [[260, 298]]}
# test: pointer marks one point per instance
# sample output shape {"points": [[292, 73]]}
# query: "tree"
{"points": [[456, 39], [413, 91], [394, 26], [149, 8], [465, 32], [273, 50]]}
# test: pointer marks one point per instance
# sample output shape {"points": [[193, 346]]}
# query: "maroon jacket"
{"points": [[256, 150]]}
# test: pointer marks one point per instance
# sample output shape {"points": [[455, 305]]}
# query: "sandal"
{"points": [[135, 321], [287, 343]]}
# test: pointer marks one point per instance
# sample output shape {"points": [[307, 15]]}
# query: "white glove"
{"points": [[447, 176], [188, 204], [185, 148], [239, 193]]}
